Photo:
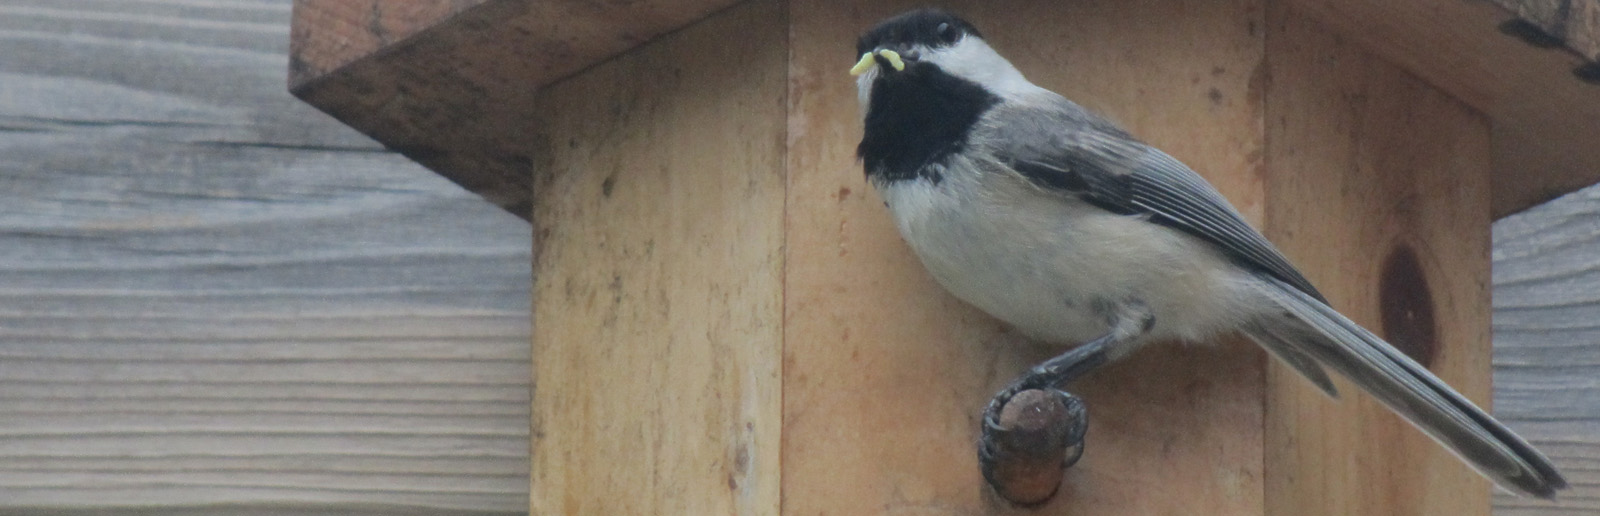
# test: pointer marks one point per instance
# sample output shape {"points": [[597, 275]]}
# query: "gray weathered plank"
{"points": [[1547, 342], [215, 297]]}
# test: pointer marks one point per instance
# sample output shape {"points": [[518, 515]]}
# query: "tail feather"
{"points": [[1313, 329], [1282, 342]]}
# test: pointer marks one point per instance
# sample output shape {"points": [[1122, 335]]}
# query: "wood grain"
{"points": [[1545, 118], [429, 101], [886, 375], [1547, 343], [459, 97], [1354, 181], [659, 299], [215, 300], [328, 34]]}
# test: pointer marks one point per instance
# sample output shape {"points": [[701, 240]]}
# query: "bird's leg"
{"points": [[1048, 375], [1065, 367], [1024, 450]]}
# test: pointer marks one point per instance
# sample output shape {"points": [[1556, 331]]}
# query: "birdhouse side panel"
{"points": [[657, 301], [1379, 188]]}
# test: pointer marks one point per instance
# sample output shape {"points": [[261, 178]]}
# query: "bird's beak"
{"points": [[868, 60]]}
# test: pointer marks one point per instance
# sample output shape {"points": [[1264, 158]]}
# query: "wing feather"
{"points": [[1074, 153]]}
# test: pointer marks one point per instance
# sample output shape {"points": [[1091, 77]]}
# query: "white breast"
{"points": [[1044, 262]]}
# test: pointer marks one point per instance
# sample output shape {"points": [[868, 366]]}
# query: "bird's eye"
{"points": [[947, 33]]}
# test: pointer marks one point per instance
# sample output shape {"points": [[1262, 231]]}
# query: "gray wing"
{"points": [[1072, 151]]}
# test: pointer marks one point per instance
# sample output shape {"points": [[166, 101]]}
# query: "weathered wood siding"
{"points": [[1547, 343], [212, 294]]}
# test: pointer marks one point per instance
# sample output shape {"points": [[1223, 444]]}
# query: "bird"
{"points": [[1066, 227]]}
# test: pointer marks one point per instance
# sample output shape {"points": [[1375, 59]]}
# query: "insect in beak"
{"points": [[868, 61]]}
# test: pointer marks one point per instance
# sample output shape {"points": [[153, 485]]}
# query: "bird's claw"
{"points": [[1029, 437]]}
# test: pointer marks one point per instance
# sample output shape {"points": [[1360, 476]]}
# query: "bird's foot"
{"points": [[1032, 431], [1030, 435]]}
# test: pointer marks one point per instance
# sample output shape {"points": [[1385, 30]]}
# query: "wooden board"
{"points": [[458, 97], [215, 300], [659, 293], [1391, 221], [424, 103], [885, 375], [1547, 344], [1545, 119], [329, 34]]}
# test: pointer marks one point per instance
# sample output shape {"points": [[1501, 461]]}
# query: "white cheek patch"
{"points": [[972, 59]]}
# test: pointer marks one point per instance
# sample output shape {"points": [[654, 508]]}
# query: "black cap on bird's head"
{"points": [[904, 37], [927, 27]]}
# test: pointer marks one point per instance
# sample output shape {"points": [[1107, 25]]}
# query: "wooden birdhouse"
{"points": [[726, 321]]}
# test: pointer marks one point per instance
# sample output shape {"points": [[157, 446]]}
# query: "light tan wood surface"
{"points": [[883, 374], [658, 304], [1378, 188], [1545, 119]]}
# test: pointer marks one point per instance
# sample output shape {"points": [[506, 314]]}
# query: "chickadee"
{"points": [[1058, 222]]}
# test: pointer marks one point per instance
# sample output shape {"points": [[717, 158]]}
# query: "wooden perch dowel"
{"points": [[1038, 436]]}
